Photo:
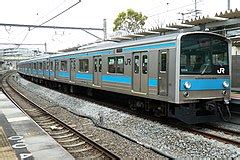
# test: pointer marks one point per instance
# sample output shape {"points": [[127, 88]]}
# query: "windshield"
{"points": [[204, 54]]}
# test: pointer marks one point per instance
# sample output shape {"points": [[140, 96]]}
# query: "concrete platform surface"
{"points": [[21, 137]]}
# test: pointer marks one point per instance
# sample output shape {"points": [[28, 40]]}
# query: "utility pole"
{"points": [[228, 4], [104, 29], [45, 46], [195, 10]]}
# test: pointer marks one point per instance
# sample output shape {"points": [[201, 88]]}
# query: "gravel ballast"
{"points": [[166, 139]]}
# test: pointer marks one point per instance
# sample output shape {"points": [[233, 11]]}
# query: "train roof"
{"points": [[115, 45]]}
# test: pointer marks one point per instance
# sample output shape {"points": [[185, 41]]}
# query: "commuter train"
{"points": [[182, 75]]}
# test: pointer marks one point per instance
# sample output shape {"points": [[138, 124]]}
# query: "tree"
{"points": [[129, 21]]}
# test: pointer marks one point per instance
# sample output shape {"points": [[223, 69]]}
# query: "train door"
{"points": [[97, 70], [72, 69], [140, 72], [163, 73]]}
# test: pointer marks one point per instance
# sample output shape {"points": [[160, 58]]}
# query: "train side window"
{"points": [[163, 62], [111, 65], [144, 64], [83, 65], [100, 65], [64, 65], [120, 64], [136, 64]]}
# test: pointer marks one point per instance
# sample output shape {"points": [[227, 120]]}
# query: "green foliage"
{"points": [[129, 21]]}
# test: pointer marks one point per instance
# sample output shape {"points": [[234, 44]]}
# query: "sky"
{"points": [[88, 13]]}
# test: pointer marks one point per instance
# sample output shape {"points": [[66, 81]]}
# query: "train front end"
{"points": [[204, 77]]}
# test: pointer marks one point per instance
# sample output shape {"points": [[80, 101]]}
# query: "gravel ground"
{"points": [[161, 137]]}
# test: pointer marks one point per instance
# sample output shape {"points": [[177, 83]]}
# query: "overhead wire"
{"points": [[172, 9], [30, 29]]}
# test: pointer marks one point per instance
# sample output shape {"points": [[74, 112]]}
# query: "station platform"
{"points": [[22, 138]]}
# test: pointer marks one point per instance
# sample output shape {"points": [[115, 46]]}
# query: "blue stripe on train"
{"points": [[152, 82], [85, 76], [63, 74], [203, 84], [117, 79]]}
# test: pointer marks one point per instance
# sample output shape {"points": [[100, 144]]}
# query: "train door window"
{"points": [[44, 66], [51, 65], [120, 64], [100, 65], [47, 65], [56, 65], [144, 64], [111, 64], [73, 64], [136, 64], [95, 65], [83, 65], [64, 65], [163, 62], [40, 66]]}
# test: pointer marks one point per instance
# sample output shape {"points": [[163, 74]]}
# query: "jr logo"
{"points": [[221, 70]]}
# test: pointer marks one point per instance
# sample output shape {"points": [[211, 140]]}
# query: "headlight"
{"points": [[225, 84], [187, 85]]}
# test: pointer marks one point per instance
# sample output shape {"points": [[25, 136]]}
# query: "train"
{"points": [[186, 76]]}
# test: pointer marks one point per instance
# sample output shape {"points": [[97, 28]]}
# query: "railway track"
{"points": [[221, 134], [79, 145]]}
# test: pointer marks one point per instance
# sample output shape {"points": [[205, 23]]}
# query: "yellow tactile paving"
{"points": [[6, 151]]}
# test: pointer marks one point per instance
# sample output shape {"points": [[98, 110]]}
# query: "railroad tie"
{"points": [[95, 156], [74, 145], [64, 136], [81, 150], [68, 140], [59, 133]]}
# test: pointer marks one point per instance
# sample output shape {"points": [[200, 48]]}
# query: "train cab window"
{"points": [[136, 64], [120, 64], [83, 65], [163, 66], [144, 64], [63, 65], [111, 64], [204, 54], [100, 65]]}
